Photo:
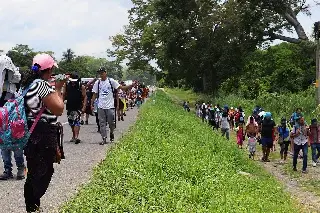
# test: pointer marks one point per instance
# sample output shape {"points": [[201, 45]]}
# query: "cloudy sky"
{"points": [[82, 25]]}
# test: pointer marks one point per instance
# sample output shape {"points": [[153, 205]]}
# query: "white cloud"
{"points": [[82, 25]]}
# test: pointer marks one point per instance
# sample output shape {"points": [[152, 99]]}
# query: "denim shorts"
{"points": [[74, 118]]}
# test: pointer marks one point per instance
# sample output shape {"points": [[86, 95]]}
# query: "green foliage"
{"points": [[282, 68], [170, 162], [86, 66], [204, 43]]}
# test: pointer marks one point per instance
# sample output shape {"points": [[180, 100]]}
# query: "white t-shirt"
{"points": [[106, 100], [225, 123]]}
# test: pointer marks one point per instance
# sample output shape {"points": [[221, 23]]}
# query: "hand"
{"points": [[60, 84], [92, 107]]}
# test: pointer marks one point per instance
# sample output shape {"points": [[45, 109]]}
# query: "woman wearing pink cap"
{"points": [[41, 148]]}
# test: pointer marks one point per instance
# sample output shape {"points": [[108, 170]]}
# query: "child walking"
{"points": [[252, 143], [240, 135]]}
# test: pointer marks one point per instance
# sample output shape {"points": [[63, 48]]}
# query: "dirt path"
{"points": [[307, 199], [74, 171], [304, 188]]}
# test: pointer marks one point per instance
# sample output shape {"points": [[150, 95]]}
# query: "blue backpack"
{"points": [[14, 131]]}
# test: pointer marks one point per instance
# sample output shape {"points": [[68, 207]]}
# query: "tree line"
{"points": [[85, 66], [217, 46]]}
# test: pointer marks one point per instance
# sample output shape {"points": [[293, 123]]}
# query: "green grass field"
{"points": [[171, 162]]}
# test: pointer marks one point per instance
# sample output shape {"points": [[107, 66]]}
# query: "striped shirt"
{"points": [[33, 100]]}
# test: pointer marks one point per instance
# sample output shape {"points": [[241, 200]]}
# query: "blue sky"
{"points": [[82, 25]]}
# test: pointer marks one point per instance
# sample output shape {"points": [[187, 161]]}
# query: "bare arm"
{"points": [[94, 96], [84, 96], [117, 96], [125, 87], [54, 102]]}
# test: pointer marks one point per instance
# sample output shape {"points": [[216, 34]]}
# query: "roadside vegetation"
{"points": [[171, 162]]}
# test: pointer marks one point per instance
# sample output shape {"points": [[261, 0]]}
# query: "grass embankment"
{"points": [[282, 105], [170, 162]]}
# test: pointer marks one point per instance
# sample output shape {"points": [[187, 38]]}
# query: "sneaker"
{"points": [[294, 169], [21, 173], [104, 141], [122, 119], [77, 141], [304, 171], [314, 164], [73, 140], [6, 176], [111, 137]]}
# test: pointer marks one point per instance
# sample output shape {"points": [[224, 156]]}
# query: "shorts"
{"points": [[121, 105], [267, 142], [252, 146], [88, 110], [74, 118]]}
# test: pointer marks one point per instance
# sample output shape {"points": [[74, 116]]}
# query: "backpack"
{"points": [[14, 131], [284, 134]]}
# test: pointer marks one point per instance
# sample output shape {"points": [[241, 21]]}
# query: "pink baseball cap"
{"points": [[45, 61]]}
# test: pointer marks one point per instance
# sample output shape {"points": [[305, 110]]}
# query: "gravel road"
{"points": [[74, 171]]}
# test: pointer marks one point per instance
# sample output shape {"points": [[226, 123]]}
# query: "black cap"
{"points": [[74, 75], [314, 121], [101, 69]]}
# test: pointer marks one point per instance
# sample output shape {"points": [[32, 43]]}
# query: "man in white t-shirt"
{"points": [[106, 90]]}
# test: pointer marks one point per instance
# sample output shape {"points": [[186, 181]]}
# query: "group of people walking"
{"points": [[293, 135], [43, 105]]}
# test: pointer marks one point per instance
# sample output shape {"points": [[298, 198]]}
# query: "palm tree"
{"points": [[68, 56]]}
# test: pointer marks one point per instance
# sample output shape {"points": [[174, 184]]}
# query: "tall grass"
{"points": [[171, 162], [280, 105]]}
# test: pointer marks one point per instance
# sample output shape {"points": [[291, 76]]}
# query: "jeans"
{"points": [[296, 150], [225, 132], [315, 148], [97, 120], [6, 157], [106, 116]]}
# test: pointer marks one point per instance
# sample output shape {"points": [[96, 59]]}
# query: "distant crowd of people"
{"points": [[293, 135]]}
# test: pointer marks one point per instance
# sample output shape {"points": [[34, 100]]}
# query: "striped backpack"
{"points": [[14, 131]]}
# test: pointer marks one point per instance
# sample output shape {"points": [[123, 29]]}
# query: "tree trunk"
{"points": [[292, 19]]}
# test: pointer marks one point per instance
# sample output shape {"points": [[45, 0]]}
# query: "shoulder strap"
{"points": [[24, 93], [98, 89], [113, 92], [36, 120]]}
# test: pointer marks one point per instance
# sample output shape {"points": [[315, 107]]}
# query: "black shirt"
{"points": [[74, 96], [267, 128]]}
